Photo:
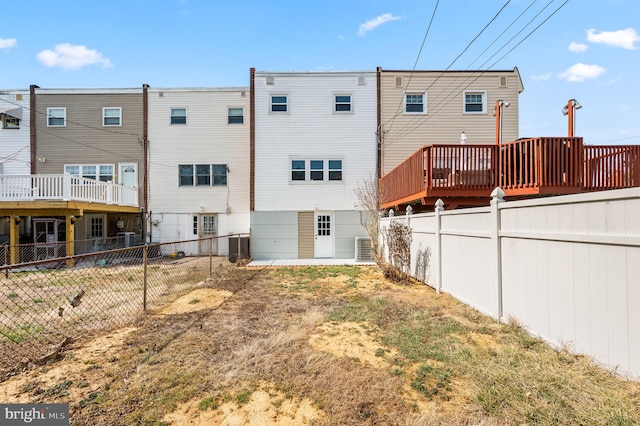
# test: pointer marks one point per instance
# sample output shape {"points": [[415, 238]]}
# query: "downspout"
{"points": [[252, 138], [32, 127], [145, 156]]}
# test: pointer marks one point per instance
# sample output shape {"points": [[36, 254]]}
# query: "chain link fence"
{"points": [[45, 305]]}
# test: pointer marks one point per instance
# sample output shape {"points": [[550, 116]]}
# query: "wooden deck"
{"points": [[465, 175]]}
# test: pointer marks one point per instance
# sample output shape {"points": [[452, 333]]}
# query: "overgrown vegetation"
{"points": [[430, 360]]}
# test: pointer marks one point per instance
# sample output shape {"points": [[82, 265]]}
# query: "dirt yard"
{"points": [[322, 346]]}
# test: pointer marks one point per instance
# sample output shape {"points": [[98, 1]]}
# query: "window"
{"points": [[195, 225], [9, 122], [202, 175], [316, 170], [101, 172], [414, 103], [342, 103], [219, 174], [178, 116], [298, 170], [279, 103], [475, 102], [235, 116], [111, 116], [185, 175], [56, 117], [97, 227]]}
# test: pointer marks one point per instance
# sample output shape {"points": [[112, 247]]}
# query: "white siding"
{"points": [[205, 139], [15, 150], [311, 130]]}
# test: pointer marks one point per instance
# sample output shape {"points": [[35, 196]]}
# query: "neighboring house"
{"points": [[15, 152], [198, 165], [313, 143], [90, 144], [418, 108]]}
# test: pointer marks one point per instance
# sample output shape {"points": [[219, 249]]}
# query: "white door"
{"points": [[323, 245], [207, 231], [128, 174]]}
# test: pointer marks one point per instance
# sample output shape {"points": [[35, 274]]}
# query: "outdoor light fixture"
{"points": [[570, 111]]}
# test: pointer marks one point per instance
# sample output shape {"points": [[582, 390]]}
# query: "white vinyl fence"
{"points": [[565, 268]]}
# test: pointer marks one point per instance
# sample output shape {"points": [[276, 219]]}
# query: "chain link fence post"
{"points": [[210, 257], [144, 276]]}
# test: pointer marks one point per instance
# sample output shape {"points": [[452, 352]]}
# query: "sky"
{"points": [[588, 50]]}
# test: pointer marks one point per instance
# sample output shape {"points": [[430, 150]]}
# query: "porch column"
{"points": [[14, 239], [70, 238]]}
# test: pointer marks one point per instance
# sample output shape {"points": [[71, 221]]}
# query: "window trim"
{"points": [[415, 93], [104, 117], [326, 170], [171, 116], [64, 117], [229, 115], [97, 175], [336, 103], [474, 92], [272, 104]]}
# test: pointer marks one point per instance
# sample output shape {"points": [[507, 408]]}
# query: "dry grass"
{"points": [[328, 346]]}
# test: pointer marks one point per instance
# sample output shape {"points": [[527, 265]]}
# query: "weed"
{"points": [[209, 403], [194, 301], [243, 397]]}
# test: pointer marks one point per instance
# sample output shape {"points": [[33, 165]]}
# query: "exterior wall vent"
{"points": [[160, 94], [18, 96], [399, 81], [243, 94], [503, 81], [271, 81], [363, 250], [362, 80]]}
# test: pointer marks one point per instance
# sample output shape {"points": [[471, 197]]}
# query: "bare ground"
{"points": [[286, 347]]}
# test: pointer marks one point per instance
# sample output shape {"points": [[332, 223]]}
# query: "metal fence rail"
{"points": [[43, 304]]}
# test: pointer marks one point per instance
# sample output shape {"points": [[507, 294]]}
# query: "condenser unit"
{"points": [[363, 250]]}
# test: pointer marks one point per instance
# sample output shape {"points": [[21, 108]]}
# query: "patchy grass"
{"points": [[431, 361]]}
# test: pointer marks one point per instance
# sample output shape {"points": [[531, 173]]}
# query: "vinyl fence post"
{"points": [[497, 197], [439, 209], [144, 269]]}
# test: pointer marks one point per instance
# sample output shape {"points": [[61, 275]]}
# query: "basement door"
{"points": [[324, 228], [207, 225]]}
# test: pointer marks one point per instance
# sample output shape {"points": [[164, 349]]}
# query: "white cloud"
{"points": [[580, 72], [546, 76], [376, 22], [626, 39], [578, 47], [68, 56], [7, 43]]}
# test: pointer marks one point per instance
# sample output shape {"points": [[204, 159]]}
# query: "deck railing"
{"points": [[65, 188], [611, 167], [541, 166]]}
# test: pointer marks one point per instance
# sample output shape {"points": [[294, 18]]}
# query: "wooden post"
{"points": [[14, 238], [70, 237]]}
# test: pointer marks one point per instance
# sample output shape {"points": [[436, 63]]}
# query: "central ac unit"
{"points": [[363, 250]]}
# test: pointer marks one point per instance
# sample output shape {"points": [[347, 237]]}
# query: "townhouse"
{"points": [[198, 166], [313, 142]]}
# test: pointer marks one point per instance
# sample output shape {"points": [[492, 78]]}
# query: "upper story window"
{"points": [[279, 103], [9, 122], [235, 115], [202, 175], [475, 102], [178, 116], [56, 117], [101, 172], [112, 116], [317, 170], [342, 103], [414, 103]]}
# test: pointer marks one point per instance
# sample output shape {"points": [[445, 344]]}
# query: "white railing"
{"points": [[65, 188]]}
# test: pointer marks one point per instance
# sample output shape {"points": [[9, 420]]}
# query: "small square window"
{"points": [[316, 170], [56, 117], [279, 103], [178, 116], [219, 174], [185, 175], [414, 103], [342, 103], [111, 116], [298, 171], [235, 116]]}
